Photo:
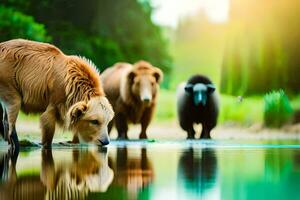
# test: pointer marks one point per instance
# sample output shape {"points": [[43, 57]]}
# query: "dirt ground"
{"points": [[172, 131]]}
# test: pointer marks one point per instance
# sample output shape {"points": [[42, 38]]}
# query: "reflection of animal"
{"points": [[89, 172], [38, 78], [60, 179], [132, 91], [131, 171], [198, 170], [197, 103]]}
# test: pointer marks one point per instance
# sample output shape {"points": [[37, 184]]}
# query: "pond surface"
{"points": [[155, 170]]}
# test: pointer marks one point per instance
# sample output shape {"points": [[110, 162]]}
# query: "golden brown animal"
{"points": [[132, 91], [38, 78]]}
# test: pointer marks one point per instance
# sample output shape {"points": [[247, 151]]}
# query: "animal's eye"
{"points": [[94, 122]]}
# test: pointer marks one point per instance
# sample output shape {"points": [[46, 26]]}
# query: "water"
{"points": [[155, 170]]}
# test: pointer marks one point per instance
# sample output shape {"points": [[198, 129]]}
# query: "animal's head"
{"points": [[200, 88], [144, 81], [89, 120]]}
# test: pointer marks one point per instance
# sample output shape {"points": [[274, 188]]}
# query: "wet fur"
{"points": [[127, 106], [38, 78]]}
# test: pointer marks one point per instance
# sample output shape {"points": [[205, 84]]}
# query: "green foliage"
{"points": [[14, 24], [277, 109], [247, 112], [102, 51], [105, 31]]}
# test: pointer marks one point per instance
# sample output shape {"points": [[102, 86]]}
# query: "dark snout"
{"points": [[104, 142], [146, 100], [200, 98], [146, 96], [104, 137]]}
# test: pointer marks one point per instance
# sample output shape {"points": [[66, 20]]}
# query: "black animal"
{"points": [[197, 103]]}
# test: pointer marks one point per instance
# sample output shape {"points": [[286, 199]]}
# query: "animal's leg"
{"points": [[48, 169], [47, 123], [121, 125], [205, 134], [191, 132], [3, 129], [5, 124], [186, 124], [145, 121], [13, 108], [75, 140]]}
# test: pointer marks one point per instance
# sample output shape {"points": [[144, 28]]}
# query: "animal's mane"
{"points": [[89, 62], [82, 80]]}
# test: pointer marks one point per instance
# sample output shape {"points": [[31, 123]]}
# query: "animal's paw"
{"points": [[143, 136]]}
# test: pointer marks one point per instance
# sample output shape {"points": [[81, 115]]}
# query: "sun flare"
{"points": [[169, 12]]}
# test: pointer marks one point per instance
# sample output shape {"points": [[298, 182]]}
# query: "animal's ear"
{"points": [[158, 74], [210, 88], [189, 88], [131, 76], [77, 111]]}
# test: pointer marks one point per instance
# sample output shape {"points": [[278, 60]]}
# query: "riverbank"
{"points": [[172, 131]]}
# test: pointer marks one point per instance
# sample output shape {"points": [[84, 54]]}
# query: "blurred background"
{"points": [[250, 49]]}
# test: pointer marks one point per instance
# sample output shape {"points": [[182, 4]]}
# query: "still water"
{"points": [[155, 170]]}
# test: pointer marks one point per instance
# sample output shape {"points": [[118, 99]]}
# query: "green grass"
{"points": [[245, 113], [296, 103], [166, 106], [23, 117], [277, 109]]}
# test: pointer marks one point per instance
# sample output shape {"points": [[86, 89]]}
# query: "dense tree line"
{"points": [[103, 30]]}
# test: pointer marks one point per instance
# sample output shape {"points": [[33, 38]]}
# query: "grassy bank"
{"points": [[245, 113]]}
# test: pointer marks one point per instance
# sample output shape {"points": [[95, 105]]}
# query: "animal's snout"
{"points": [[200, 98], [104, 141], [146, 96], [104, 138], [146, 99]]}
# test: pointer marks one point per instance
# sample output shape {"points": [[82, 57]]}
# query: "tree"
{"points": [[14, 24], [103, 30]]}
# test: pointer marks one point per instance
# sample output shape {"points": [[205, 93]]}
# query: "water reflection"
{"points": [[133, 171], [154, 171], [86, 171], [197, 171]]}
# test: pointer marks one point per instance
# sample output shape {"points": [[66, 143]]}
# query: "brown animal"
{"points": [[38, 78], [75, 175], [133, 170], [132, 91]]}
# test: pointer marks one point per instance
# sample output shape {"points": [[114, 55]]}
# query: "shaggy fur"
{"points": [[190, 114], [132, 91], [38, 78]]}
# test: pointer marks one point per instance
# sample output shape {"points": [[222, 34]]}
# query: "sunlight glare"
{"points": [[169, 12]]}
